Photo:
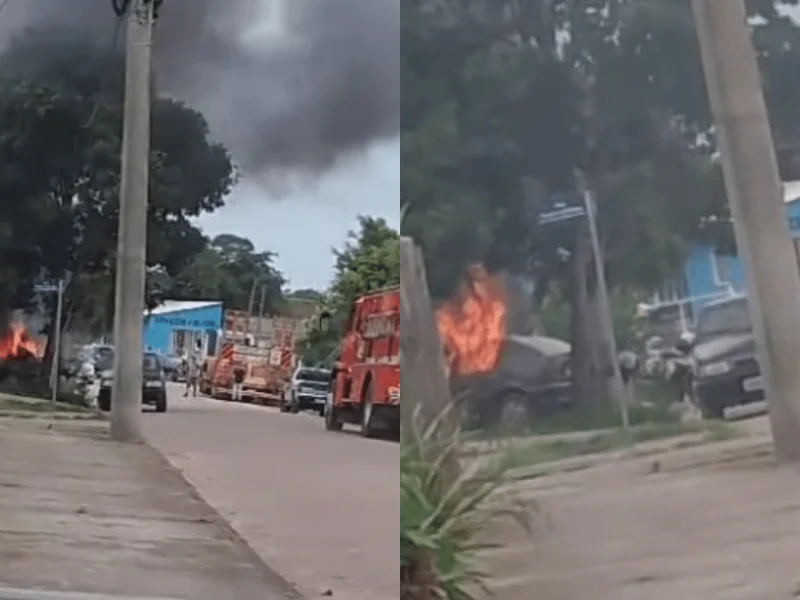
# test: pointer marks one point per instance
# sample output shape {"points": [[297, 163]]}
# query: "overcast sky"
{"points": [[305, 225]]}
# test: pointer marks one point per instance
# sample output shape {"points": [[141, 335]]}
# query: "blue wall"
{"points": [[706, 275], [159, 328]]}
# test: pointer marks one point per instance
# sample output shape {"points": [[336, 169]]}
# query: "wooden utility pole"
{"points": [[425, 387], [132, 246], [756, 201]]}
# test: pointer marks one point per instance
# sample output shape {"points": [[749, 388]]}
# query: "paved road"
{"points": [[321, 508]]}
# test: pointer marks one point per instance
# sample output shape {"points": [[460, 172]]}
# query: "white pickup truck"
{"points": [[307, 390]]}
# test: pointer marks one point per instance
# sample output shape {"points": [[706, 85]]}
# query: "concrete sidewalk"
{"points": [[83, 514]]}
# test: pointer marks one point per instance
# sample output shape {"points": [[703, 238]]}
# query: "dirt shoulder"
{"points": [[83, 514], [717, 522]]}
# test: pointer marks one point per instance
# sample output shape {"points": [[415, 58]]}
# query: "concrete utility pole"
{"points": [[756, 200], [132, 247], [618, 389]]}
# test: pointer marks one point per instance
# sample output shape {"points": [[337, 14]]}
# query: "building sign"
{"points": [[184, 322]]}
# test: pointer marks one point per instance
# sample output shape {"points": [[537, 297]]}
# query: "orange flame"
{"points": [[18, 343], [472, 326]]}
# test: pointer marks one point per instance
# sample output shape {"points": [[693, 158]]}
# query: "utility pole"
{"points": [[756, 202], [618, 390], [261, 311], [132, 246], [250, 306]]}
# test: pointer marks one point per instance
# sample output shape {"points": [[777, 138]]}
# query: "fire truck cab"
{"points": [[365, 383]]}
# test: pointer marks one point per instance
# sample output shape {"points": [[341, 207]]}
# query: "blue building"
{"points": [[708, 275], [176, 326]]}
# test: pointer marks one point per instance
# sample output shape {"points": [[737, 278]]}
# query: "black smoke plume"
{"points": [[320, 82]]}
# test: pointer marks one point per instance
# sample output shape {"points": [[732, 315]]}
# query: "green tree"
{"points": [[60, 116], [306, 294], [369, 261], [230, 269]]}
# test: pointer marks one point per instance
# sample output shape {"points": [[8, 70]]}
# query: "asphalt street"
{"points": [[320, 508]]}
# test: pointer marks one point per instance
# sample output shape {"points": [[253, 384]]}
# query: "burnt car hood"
{"points": [[528, 364], [724, 346]]}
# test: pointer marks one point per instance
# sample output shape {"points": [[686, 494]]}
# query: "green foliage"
{"points": [[369, 261], [500, 107], [554, 316], [499, 116], [227, 270], [444, 516], [60, 116]]}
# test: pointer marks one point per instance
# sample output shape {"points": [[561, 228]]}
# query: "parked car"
{"points": [[533, 379], [308, 390], [172, 367], [723, 351], [154, 388]]}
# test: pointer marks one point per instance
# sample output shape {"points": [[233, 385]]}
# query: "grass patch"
{"points": [[553, 448], [653, 407], [21, 404]]}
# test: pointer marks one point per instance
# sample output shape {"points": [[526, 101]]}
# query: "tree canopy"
{"points": [[60, 139], [230, 269], [368, 261]]}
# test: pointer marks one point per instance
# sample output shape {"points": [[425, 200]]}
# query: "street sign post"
{"points": [[569, 207], [58, 289]]}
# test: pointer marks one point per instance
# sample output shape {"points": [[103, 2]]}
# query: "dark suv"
{"points": [[154, 385], [725, 365]]}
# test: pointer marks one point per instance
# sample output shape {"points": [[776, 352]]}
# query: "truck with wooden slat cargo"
{"points": [[265, 347]]}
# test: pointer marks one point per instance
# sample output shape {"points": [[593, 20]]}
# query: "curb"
{"points": [[653, 449], [289, 590]]}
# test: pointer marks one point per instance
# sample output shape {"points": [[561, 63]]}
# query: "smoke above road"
{"points": [[290, 86]]}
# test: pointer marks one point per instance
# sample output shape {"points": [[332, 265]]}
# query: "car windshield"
{"points": [[725, 318], [317, 376], [151, 363]]}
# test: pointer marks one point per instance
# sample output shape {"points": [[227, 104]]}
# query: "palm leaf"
{"points": [[445, 517]]}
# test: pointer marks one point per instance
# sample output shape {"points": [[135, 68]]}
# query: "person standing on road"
{"points": [[192, 372], [239, 373]]}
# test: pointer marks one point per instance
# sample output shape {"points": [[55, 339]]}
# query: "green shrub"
{"points": [[446, 511]]}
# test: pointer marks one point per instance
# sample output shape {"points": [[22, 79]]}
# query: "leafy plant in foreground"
{"points": [[446, 516]]}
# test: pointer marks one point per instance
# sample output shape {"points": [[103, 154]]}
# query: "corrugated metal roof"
{"points": [[171, 306]]}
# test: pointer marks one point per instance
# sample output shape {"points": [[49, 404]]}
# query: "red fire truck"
{"points": [[265, 348], [366, 379]]}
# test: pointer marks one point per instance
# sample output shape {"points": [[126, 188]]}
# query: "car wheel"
{"points": [[332, 422], [712, 411], [161, 404], [514, 414]]}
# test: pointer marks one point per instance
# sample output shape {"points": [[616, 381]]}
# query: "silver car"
{"points": [[308, 390]]}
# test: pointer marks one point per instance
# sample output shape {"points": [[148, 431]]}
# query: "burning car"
{"points": [[532, 380], [18, 344], [495, 376], [21, 353]]}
